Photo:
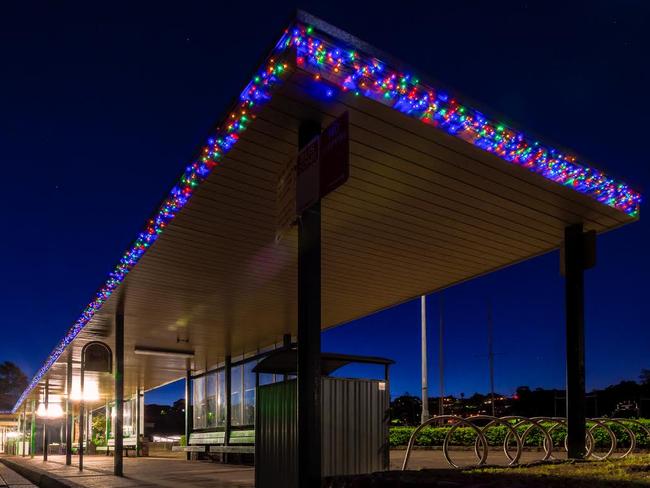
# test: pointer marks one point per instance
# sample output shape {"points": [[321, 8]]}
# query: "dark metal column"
{"points": [[574, 264], [46, 401], [68, 412], [82, 413], [228, 377], [188, 409], [107, 417], [309, 330], [32, 429], [24, 437], [118, 466], [138, 412]]}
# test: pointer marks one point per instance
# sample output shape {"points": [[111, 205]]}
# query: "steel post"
{"points": [[575, 340], [118, 461], [309, 333]]}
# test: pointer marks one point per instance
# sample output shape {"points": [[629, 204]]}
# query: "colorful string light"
{"points": [[365, 76]]}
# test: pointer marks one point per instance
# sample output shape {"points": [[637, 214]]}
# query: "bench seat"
{"points": [[240, 442], [233, 449]]}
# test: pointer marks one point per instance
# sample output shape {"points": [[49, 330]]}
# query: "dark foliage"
{"points": [[12, 383]]}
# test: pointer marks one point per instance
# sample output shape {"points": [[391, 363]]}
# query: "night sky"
{"points": [[102, 105]]}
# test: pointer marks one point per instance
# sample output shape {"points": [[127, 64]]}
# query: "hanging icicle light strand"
{"points": [[362, 75]]}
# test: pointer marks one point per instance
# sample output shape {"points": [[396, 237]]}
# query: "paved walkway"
{"points": [[144, 472], [433, 459], [11, 479], [174, 471]]}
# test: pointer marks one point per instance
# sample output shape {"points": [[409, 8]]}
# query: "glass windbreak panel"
{"points": [[199, 403], [128, 419], [267, 378], [249, 393], [236, 396], [221, 398], [211, 400]]}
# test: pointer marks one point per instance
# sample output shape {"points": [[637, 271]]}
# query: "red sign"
{"points": [[324, 164], [308, 176], [335, 154]]}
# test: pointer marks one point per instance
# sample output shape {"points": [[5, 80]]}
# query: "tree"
{"points": [[645, 377], [98, 436], [12, 383], [405, 410]]}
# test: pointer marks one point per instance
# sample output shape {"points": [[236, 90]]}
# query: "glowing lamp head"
{"points": [[90, 393], [52, 411]]}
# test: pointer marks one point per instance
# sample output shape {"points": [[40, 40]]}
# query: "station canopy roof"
{"points": [[439, 193]]}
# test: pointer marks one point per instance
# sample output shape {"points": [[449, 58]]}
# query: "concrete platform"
{"points": [[173, 470], [11, 479], [149, 472]]}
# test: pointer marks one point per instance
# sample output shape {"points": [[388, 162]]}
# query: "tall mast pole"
{"points": [[441, 358], [491, 356]]}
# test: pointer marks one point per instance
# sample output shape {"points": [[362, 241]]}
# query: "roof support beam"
{"points": [[118, 466], [228, 426], [574, 264], [309, 329], [188, 408], [32, 431], [46, 401], [68, 412]]}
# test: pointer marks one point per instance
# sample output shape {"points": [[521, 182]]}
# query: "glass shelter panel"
{"points": [[236, 395], [249, 394], [199, 403]]}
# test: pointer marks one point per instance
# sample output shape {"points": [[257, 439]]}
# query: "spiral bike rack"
{"points": [[456, 420], [545, 425]]}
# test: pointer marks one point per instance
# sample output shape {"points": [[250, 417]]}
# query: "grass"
{"points": [[632, 472]]}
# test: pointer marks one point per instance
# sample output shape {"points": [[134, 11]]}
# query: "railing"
{"points": [[517, 431]]}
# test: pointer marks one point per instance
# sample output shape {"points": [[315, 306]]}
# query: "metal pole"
{"points": [[188, 413], [118, 461], [228, 426], [441, 358], [425, 373], [138, 412], [82, 413], [107, 425], [68, 412], [309, 331], [46, 401], [491, 356], [575, 340], [32, 433], [24, 438]]}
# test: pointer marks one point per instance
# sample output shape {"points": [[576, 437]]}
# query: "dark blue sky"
{"points": [[101, 107]]}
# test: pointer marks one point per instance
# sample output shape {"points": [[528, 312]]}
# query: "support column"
{"points": [[118, 466], [24, 437], [188, 409], [107, 425], [32, 434], [574, 264], [228, 427], [82, 412], [46, 402], [309, 330], [68, 412], [138, 412]]}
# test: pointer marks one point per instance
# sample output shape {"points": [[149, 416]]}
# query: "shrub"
{"points": [[495, 435]]}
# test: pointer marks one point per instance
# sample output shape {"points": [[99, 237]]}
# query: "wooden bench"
{"points": [[128, 444], [241, 442]]}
